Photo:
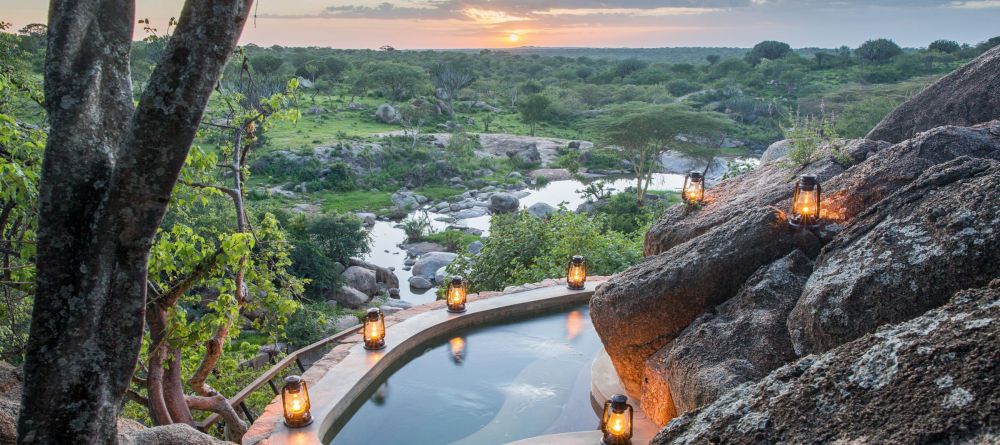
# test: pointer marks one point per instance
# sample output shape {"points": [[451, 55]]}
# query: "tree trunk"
{"points": [[108, 172]]}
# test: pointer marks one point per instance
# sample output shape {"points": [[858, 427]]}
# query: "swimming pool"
{"points": [[486, 385]]}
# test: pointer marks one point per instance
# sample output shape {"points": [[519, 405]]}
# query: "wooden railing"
{"points": [[238, 401]]}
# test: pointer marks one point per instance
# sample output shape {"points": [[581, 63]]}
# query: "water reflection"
{"points": [[525, 379], [381, 394], [574, 325], [456, 347]]}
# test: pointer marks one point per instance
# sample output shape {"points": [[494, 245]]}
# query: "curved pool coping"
{"points": [[340, 381]]}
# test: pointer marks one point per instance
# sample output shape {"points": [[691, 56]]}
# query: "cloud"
{"points": [[493, 12], [975, 4]]}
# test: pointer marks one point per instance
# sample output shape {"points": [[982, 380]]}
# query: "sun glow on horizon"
{"points": [[514, 38]]}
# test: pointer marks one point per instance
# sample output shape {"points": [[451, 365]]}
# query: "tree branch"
{"points": [[220, 405]]}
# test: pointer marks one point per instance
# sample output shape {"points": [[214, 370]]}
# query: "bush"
{"points": [[945, 46], [415, 227], [319, 243], [306, 326], [524, 249], [769, 49], [681, 87], [806, 137], [878, 50]]}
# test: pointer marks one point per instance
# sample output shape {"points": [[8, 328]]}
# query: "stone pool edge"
{"points": [[343, 374]]}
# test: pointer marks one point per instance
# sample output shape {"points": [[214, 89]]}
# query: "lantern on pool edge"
{"points": [[295, 399], [616, 423], [805, 202], [374, 331], [693, 192], [457, 290], [576, 273]]}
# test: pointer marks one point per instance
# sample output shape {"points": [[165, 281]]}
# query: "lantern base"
{"points": [[375, 348], [616, 442], [305, 423], [456, 311], [572, 287]]}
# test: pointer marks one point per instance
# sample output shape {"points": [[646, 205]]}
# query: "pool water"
{"points": [[490, 385]]}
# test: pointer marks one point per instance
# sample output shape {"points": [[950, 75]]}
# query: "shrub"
{"points": [[415, 227], [681, 87], [319, 243], [945, 46], [878, 50], [524, 249], [769, 49], [805, 138]]}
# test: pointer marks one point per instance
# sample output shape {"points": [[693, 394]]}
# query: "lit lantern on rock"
{"points": [[295, 399], [576, 273], [374, 331], [457, 291], [805, 202], [616, 423], [693, 192]]}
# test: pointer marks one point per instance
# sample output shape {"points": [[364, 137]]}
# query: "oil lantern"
{"points": [[457, 291], [374, 331], [805, 202], [694, 188], [616, 423], [576, 273], [295, 399]]}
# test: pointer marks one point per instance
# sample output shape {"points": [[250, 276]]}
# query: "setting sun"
{"points": [[514, 38]]}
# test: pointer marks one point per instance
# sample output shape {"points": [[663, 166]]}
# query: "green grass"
{"points": [[354, 201], [445, 236]]}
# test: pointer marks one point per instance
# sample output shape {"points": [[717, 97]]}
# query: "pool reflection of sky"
{"points": [[486, 386]]}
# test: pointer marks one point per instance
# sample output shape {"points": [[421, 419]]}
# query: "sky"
{"points": [[420, 24]]}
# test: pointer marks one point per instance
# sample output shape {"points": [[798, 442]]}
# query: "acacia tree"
{"points": [[449, 78], [108, 171], [643, 132], [533, 110]]}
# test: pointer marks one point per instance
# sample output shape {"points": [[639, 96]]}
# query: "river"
{"points": [[386, 237]]}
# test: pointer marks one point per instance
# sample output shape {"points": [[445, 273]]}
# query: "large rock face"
{"points": [[11, 381], [641, 309], [890, 169], [934, 379], [429, 263], [968, 96], [176, 434], [504, 203], [741, 341], [770, 184], [939, 234], [361, 279]]}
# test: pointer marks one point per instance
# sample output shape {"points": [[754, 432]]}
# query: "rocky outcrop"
{"points": [[641, 309], [387, 114], [741, 341], [768, 185], [969, 95], [11, 381], [175, 434], [383, 276], [504, 203], [541, 210], [349, 297], [361, 279], [429, 263], [890, 169], [776, 151], [937, 235], [933, 379]]}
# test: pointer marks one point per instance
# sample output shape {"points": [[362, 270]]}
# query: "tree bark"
{"points": [[108, 172]]}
